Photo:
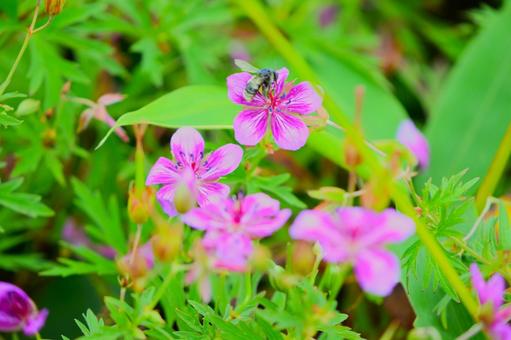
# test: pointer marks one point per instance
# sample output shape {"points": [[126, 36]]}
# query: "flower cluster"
{"points": [[18, 311]]}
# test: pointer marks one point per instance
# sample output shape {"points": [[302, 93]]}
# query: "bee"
{"points": [[262, 79]]}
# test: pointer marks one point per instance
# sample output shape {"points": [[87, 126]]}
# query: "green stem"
{"points": [[248, 287], [161, 290], [37, 336], [139, 166], [24, 46], [495, 171], [258, 15]]}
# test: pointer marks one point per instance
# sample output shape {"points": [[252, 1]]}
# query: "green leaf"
{"points": [[473, 113], [201, 107], [23, 203], [7, 120]]}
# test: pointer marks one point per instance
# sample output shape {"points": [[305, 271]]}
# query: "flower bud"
{"points": [[168, 240], [185, 196], [261, 257], [54, 7], [303, 258], [137, 265], [352, 157], [140, 204], [280, 279]]}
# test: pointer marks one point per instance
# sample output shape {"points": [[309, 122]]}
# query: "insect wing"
{"points": [[245, 66]]}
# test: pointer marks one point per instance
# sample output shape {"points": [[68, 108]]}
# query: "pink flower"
{"points": [[358, 236], [231, 224], [414, 140], [491, 296], [280, 111], [98, 111], [18, 311], [191, 171]]}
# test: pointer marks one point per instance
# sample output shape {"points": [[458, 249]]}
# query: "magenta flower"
{"points": [[18, 311], [414, 140], [494, 315], [231, 224], [280, 111], [191, 170], [358, 236]]}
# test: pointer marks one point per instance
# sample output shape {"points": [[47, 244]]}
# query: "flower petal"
{"points": [[250, 126], [488, 292], [500, 331], [231, 251], [211, 191], [165, 197], [290, 132], [262, 215], [221, 162], [318, 226], [210, 217], [414, 140], [282, 75], [302, 99], [110, 98], [377, 271], [236, 84], [390, 226], [187, 146], [164, 171], [35, 323]]}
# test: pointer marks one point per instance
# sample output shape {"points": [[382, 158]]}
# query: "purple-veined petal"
{"points": [[15, 307], [211, 191], [290, 132], [250, 125], [377, 271], [301, 99], [221, 162], [110, 98], [162, 172], [187, 146], [236, 84], [282, 75], [212, 216], [8, 323], [165, 197], [414, 140], [35, 323]]}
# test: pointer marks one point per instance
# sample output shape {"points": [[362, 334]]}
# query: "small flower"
{"points": [[98, 111], [494, 315], [75, 235], [414, 140], [18, 311], [358, 236], [54, 7], [327, 15], [194, 174], [280, 111], [231, 224]]}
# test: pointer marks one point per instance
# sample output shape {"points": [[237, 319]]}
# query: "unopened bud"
{"points": [[261, 257], [376, 192], [185, 197], [54, 7], [280, 279], [49, 137], [303, 258], [167, 241], [140, 204]]}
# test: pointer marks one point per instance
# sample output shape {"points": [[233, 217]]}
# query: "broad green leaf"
{"points": [[202, 107], [473, 112]]}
